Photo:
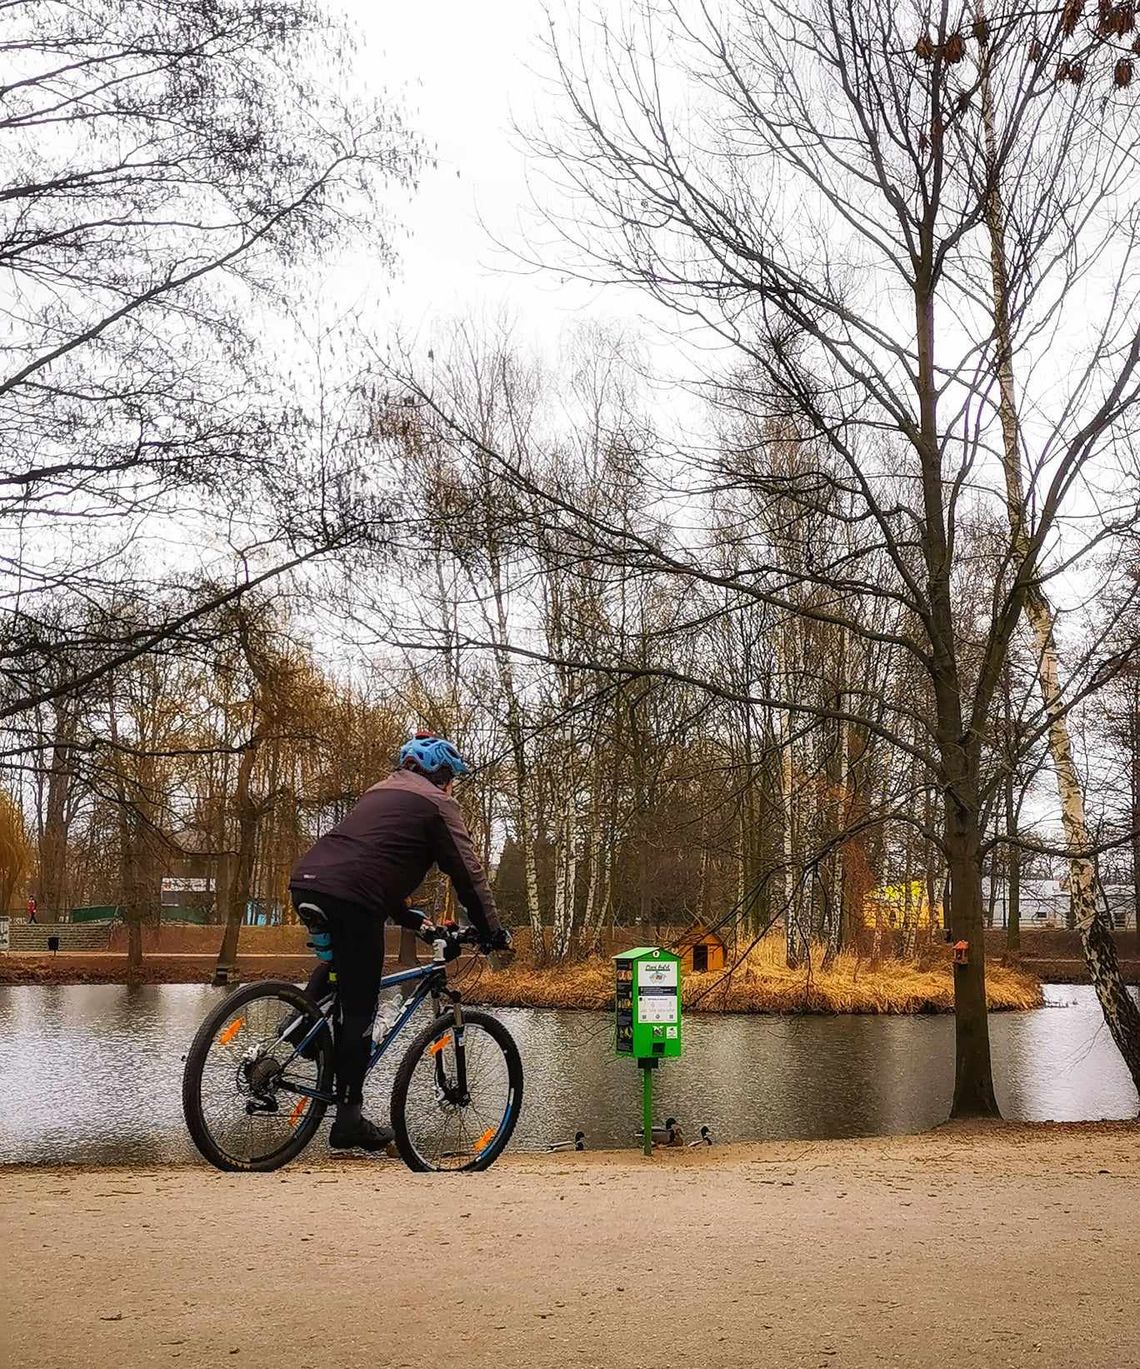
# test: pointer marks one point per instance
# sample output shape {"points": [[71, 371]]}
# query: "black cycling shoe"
{"points": [[358, 1133]]}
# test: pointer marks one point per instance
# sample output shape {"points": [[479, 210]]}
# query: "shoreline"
{"points": [[955, 1142], [894, 988]]}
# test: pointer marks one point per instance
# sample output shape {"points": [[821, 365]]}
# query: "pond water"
{"points": [[91, 1074]]}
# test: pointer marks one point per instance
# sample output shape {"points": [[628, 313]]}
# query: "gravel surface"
{"points": [[967, 1246]]}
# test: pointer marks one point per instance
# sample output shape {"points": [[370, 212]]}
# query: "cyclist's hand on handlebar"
{"points": [[498, 944]]}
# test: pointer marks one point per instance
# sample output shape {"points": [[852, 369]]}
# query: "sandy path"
{"points": [[992, 1247]]}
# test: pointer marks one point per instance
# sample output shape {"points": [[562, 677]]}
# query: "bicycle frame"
{"points": [[430, 980]]}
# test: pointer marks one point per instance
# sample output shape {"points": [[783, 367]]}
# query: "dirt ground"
{"points": [[986, 1246]]}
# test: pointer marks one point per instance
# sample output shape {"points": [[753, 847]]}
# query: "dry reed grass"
{"points": [[762, 983]]}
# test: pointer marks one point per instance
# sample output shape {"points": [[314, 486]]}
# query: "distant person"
{"points": [[358, 875], [32, 909]]}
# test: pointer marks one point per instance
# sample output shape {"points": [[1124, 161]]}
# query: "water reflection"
{"points": [[92, 1073], [1060, 1064]]}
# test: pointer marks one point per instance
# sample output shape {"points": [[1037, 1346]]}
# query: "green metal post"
{"points": [[647, 1110]]}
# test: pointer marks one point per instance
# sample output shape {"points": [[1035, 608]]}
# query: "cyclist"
{"points": [[361, 873]]}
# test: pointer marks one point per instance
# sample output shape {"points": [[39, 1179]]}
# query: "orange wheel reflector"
{"points": [[482, 1142], [437, 1046], [298, 1108], [225, 1037]]}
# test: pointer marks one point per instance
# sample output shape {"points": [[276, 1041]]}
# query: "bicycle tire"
{"points": [[192, 1110], [434, 1029]]}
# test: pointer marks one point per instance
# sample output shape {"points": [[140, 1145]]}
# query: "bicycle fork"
{"points": [[452, 1093]]}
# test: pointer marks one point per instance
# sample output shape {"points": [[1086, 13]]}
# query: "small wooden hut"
{"points": [[701, 951]]}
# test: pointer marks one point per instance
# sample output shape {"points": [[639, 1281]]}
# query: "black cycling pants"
{"points": [[358, 960]]}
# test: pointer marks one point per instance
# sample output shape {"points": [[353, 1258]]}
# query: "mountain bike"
{"points": [[258, 1076]]}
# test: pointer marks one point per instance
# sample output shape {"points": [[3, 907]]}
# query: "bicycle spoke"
{"points": [[447, 1135], [241, 1073]]}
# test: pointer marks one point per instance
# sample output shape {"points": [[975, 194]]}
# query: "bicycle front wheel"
{"points": [[457, 1094], [246, 1092]]}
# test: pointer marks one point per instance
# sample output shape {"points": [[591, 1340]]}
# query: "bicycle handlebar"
{"points": [[447, 938]]}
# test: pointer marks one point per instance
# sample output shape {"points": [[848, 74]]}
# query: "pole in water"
{"points": [[647, 1107]]}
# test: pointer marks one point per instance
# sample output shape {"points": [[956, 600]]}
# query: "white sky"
{"points": [[467, 72]]}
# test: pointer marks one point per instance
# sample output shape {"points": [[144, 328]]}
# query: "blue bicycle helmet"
{"points": [[430, 754]]}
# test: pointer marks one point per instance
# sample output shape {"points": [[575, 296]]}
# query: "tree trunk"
{"points": [[134, 852], [910, 904], [1013, 850], [134, 947], [1013, 902], [930, 869], [53, 889], [226, 971], [840, 774], [587, 942], [910, 911], [973, 1074], [526, 833], [134, 811], [566, 878], [1121, 1013], [793, 932], [1013, 872], [595, 911], [1134, 769], [973, 1078], [527, 827]]}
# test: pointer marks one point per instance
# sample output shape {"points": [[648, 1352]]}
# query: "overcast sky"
{"points": [[467, 71]]}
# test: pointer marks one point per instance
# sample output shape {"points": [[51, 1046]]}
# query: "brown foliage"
{"points": [[1114, 21], [764, 984], [15, 850], [1071, 16]]}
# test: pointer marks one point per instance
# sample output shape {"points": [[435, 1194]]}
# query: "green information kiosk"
{"points": [[647, 1010]]}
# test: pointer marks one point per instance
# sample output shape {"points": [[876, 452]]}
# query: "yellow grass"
{"points": [[764, 984]]}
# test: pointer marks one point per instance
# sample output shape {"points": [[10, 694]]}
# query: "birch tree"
{"points": [[1015, 291]]}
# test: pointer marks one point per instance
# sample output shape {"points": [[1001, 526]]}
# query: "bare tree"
{"points": [[817, 202], [167, 167]]}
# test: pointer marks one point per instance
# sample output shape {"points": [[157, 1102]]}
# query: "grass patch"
{"points": [[762, 983]]}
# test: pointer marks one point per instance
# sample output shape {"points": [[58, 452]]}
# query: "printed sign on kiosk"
{"points": [[647, 1003]]}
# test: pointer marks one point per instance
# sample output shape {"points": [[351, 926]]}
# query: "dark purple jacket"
{"points": [[382, 850]]}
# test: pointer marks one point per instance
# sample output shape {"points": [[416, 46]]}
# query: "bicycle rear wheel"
{"points": [[241, 1081], [440, 1126]]}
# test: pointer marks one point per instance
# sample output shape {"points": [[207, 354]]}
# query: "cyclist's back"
{"points": [[383, 849]]}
